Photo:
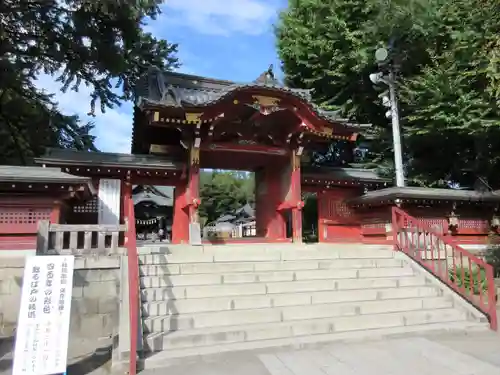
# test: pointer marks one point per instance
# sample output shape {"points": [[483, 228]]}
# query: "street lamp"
{"points": [[391, 102]]}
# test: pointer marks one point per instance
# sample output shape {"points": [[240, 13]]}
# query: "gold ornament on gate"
{"points": [[194, 118], [265, 101]]}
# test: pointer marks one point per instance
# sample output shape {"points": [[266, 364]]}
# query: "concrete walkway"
{"points": [[440, 354], [474, 354]]}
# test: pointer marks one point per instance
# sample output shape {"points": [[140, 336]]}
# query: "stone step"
{"points": [[297, 286], [151, 308], [218, 335], [161, 359], [256, 277], [211, 299], [233, 267], [176, 249], [248, 248], [289, 313], [262, 255]]}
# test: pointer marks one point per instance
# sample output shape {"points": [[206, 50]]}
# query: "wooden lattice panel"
{"points": [[472, 223], [374, 225], [338, 209], [22, 220], [433, 222], [92, 206], [429, 222], [437, 224], [334, 209]]}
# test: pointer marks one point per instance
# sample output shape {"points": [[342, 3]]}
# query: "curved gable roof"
{"points": [[171, 89]]}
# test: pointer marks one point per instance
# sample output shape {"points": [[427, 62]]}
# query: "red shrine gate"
{"points": [[184, 123], [277, 180], [261, 127]]}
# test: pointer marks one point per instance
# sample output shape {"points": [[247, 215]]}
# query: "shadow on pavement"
{"points": [[97, 362]]}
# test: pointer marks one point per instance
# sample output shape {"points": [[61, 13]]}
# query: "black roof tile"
{"points": [[107, 159], [342, 173], [173, 89], [10, 173], [393, 193]]}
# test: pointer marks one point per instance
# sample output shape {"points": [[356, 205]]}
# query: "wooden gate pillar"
{"points": [[187, 200], [180, 225], [194, 184], [296, 197]]}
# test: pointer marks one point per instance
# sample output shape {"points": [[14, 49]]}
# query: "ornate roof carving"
{"points": [[173, 89], [267, 78]]}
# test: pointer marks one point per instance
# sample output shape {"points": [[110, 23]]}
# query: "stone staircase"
{"points": [[203, 300]]}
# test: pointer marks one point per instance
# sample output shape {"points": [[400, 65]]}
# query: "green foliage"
{"points": [[448, 56], [475, 279], [492, 256], [450, 109], [329, 46], [27, 126], [98, 43], [223, 192], [322, 45], [339, 153]]}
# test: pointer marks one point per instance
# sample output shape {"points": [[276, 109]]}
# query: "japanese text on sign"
{"points": [[43, 325]]}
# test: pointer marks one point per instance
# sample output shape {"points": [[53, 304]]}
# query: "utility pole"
{"points": [[381, 55], [396, 131]]}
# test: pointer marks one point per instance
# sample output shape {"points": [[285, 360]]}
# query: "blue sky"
{"points": [[226, 39]]}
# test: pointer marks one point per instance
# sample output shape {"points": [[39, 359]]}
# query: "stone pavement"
{"points": [[85, 357], [432, 354], [444, 354]]}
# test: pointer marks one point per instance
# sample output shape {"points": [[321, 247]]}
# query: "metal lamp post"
{"points": [[389, 79]]}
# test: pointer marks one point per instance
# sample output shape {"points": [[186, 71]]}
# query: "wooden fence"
{"points": [[72, 239]]}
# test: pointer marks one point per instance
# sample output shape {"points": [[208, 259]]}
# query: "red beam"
{"points": [[255, 149]]}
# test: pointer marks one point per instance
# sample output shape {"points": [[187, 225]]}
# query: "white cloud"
{"points": [[113, 128], [220, 17]]}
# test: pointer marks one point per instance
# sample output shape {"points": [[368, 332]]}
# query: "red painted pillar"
{"points": [[133, 272], [270, 220], [186, 200], [260, 202], [55, 214], [295, 181], [180, 224], [128, 214], [276, 224], [194, 184]]}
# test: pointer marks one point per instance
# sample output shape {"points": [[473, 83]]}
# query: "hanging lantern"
{"points": [[495, 221], [453, 220]]}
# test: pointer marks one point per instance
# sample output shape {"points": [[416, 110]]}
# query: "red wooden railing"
{"points": [[465, 273]]}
